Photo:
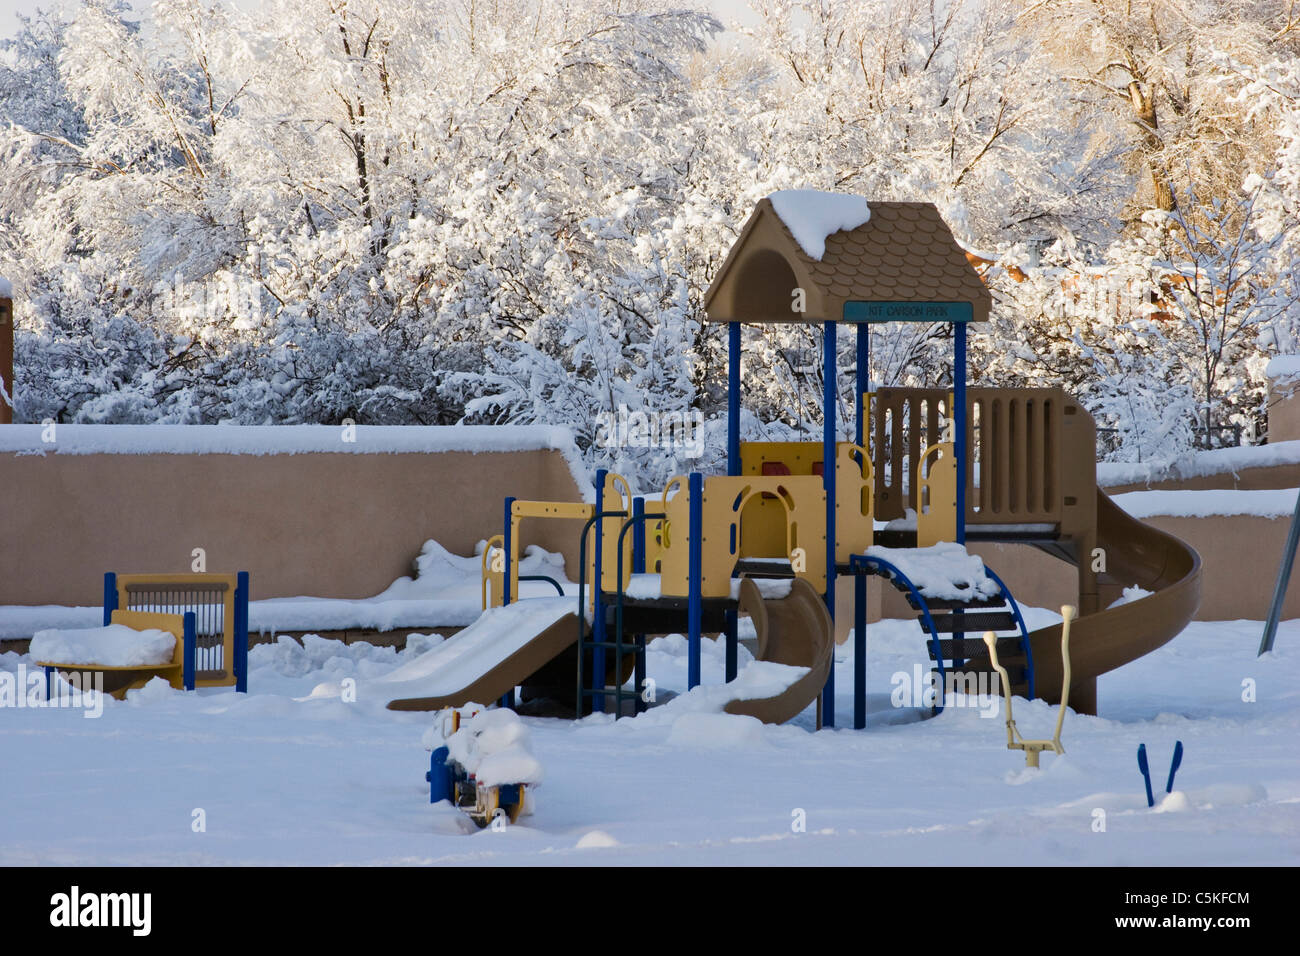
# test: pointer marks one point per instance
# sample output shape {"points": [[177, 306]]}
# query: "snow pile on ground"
{"points": [[754, 681], [1264, 503], [943, 571], [493, 746], [812, 216], [113, 646]]}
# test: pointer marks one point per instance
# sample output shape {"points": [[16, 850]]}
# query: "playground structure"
{"points": [[971, 464], [207, 613]]}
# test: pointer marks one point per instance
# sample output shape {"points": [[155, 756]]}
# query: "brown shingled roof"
{"points": [[905, 253]]}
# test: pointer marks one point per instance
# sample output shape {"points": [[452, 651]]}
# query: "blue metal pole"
{"points": [[638, 567], [959, 423], [241, 632], [829, 370], [638, 537], [859, 651], [733, 642], [695, 570], [110, 596], [864, 380], [506, 546], [733, 398], [598, 604], [189, 652]]}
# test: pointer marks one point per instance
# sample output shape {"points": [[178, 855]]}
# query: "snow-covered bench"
{"points": [[134, 648]]}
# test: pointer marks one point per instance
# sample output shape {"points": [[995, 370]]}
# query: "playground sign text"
{"points": [[908, 312]]}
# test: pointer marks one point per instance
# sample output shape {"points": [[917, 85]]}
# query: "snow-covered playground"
{"points": [[280, 777]]}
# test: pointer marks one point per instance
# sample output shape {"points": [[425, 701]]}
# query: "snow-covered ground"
{"points": [[277, 778]]}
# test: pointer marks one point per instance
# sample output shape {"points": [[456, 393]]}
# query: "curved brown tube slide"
{"points": [[1135, 553], [796, 630]]}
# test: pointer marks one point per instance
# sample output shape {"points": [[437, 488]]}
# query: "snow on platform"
{"points": [[944, 571], [112, 646], [648, 587]]}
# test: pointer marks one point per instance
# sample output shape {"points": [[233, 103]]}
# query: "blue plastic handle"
{"points": [[1173, 767], [1146, 773]]}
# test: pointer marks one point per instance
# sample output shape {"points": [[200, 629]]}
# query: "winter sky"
{"points": [[9, 10]]}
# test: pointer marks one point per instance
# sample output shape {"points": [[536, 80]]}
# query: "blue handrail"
{"points": [[597, 604], [867, 561]]}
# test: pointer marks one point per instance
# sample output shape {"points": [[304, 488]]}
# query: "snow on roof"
{"points": [[812, 216], [6, 288], [1199, 464]]}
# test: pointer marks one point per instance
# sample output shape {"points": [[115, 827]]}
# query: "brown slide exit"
{"points": [[1135, 554], [795, 630]]}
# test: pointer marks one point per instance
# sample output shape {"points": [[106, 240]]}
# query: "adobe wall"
{"points": [[325, 524]]}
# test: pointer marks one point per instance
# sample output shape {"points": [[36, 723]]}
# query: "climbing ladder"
{"points": [[946, 622]]}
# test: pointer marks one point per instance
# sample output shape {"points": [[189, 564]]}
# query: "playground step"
{"points": [[974, 623], [965, 648], [941, 604]]}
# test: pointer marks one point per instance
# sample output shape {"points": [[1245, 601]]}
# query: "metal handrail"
{"points": [[582, 584]]}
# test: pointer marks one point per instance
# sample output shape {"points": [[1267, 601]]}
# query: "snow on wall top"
{"points": [[1187, 503], [1284, 368], [1199, 464], [6, 288], [279, 439], [812, 216]]}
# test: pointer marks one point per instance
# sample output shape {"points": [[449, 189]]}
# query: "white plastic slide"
{"points": [[500, 650]]}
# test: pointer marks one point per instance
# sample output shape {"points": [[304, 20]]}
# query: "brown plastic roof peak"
{"points": [[905, 253]]}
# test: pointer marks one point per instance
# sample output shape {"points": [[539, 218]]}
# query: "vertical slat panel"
{"points": [[1002, 431], [1053, 414]]}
